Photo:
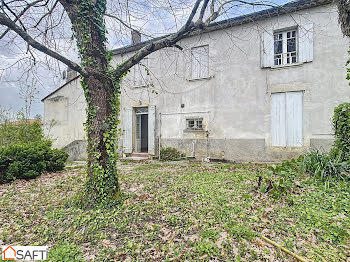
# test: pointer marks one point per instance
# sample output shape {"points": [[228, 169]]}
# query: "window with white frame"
{"points": [[194, 124], [141, 73], [285, 47], [200, 62], [287, 119]]}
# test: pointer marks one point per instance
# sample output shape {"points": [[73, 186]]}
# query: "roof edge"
{"points": [[53, 92], [240, 20]]}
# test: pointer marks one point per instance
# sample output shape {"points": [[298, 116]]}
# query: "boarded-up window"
{"points": [[287, 119], [200, 62], [141, 73]]}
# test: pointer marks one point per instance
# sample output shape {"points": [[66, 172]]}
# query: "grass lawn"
{"points": [[179, 211]]}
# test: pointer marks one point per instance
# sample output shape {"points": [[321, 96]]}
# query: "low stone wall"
{"points": [[322, 145], [241, 150], [76, 150], [238, 150]]}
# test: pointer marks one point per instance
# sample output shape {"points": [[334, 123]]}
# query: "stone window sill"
{"points": [[194, 131], [287, 148], [199, 79], [286, 66]]}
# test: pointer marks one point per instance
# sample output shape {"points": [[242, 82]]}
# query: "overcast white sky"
{"points": [[151, 17]]}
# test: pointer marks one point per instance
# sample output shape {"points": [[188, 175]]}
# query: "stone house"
{"points": [[259, 87]]}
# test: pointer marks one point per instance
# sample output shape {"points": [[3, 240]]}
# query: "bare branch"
{"points": [[212, 6], [204, 7], [47, 14], [167, 41], [13, 13], [218, 12], [125, 24], [190, 18], [4, 20], [19, 16]]}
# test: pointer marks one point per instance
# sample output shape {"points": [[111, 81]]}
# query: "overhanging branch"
{"points": [[4, 20], [21, 14], [125, 24], [167, 41]]}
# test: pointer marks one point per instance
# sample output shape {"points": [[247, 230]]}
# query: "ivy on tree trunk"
{"points": [[101, 91]]}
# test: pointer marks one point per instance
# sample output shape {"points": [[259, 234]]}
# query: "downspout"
{"points": [[160, 134], [207, 135], [193, 148]]}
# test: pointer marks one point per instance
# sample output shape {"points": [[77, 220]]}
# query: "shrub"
{"points": [[170, 154], [55, 161], [341, 125], [287, 172], [29, 160], [323, 165]]}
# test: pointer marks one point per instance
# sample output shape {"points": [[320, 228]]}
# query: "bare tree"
{"points": [[28, 93], [100, 82]]}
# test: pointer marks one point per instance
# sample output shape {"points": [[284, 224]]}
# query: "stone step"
{"points": [[138, 156]]}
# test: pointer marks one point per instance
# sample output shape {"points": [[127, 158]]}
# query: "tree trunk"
{"points": [[101, 90], [101, 127], [344, 15]]}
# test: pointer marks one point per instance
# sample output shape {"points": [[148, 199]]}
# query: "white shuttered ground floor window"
{"points": [[287, 119]]}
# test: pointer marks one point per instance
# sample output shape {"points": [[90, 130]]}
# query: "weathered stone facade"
{"points": [[234, 100]]}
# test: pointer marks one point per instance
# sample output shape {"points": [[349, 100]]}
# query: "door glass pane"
{"points": [[141, 110], [138, 127]]}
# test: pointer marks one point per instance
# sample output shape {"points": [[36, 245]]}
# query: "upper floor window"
{"points": [[141, 73], [200, 62], [285, 47]]}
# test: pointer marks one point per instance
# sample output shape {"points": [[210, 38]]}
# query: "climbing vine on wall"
{"points": [[341, 125], [348, 67]]}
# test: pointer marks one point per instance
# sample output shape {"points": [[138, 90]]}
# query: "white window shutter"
{"points": [[294, 118], [200, 62], [195, 64], [204, 60], [127, 131], [187, 60], [152, 130], [306, 43], [267, 50], [278, 119]]}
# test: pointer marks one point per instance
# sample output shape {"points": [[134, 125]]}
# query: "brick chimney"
{"points": [[69, 74], [135, 37]]}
